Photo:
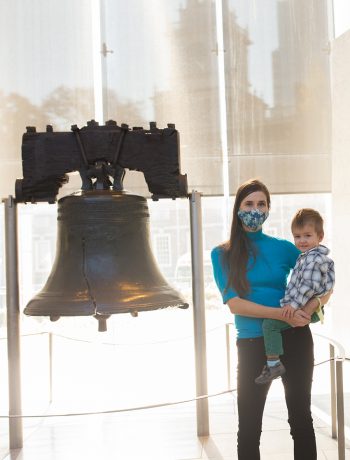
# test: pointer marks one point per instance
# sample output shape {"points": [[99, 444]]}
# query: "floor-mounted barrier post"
{"points": [[333, 391], [340, 409]]}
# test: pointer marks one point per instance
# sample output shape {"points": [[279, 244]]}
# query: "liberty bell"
{"points": [[104, 264]]}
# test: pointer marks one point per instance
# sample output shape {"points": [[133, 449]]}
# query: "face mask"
{"points": [[253, 219]]}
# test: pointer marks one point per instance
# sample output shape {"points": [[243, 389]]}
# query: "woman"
{"points": [[251, 271]]}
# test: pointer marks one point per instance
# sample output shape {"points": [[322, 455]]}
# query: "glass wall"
{"points": [[162, 66], [266, 115], [276, 98], [246, 84], [278, 93]]}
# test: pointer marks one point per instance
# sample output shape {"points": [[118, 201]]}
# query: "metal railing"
{"points": [[337, 392]]}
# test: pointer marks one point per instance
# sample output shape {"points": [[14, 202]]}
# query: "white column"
{"points": [[340, 67]]}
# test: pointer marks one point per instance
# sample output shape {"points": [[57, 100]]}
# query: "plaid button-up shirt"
{"points": [[313, 275]]}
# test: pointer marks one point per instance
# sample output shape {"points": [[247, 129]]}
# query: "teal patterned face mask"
{"points": [[253, 219]]}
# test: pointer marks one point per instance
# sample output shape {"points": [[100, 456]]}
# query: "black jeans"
{"points": [[298, 360]]}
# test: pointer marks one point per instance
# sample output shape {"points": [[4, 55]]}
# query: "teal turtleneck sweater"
{"points": [[267, 277]]}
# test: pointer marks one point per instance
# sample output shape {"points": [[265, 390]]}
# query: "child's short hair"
{"points": [[308, 216]]}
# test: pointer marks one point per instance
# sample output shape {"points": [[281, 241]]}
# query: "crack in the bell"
{"points": [[86, 279]]}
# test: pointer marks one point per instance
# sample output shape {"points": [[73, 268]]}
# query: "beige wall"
{"points": [[340, 187]]}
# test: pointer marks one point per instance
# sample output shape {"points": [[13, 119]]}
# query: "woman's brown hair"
{"points": [[238, 248]]}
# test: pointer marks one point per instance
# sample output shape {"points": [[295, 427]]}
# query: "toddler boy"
{"points": [[312, 276]]}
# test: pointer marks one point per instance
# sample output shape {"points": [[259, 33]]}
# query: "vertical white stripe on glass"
{"points": [[96, 59], [223, 115]]}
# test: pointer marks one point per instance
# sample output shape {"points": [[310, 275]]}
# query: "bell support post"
{"points": [[199, 312], [13, 324]]}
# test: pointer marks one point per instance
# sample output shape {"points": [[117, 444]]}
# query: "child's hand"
{"points": [[288, 311]]}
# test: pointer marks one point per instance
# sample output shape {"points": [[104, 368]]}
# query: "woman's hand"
{"points": [[244, 307], [299, 319], [288, 311]]}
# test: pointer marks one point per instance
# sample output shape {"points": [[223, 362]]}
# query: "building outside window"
{"points": [[162, 247]]}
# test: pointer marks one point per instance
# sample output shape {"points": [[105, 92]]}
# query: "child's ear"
{"points": [[321, 235]]}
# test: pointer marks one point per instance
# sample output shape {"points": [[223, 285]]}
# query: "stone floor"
{"points": [[146, 362], [166, 433]]}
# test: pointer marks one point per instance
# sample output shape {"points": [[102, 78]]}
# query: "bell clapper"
{"points": [[54, 317], [102, 322]]}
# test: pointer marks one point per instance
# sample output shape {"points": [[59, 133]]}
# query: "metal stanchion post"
{"points": [[340, 410], [199, 312], [13, 324], [50, 367], [333, 393]]}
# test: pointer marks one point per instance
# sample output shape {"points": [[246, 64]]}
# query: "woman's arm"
{"points": [[244, 307]]}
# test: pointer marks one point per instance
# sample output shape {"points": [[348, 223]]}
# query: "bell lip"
{"points": [[107, 310], [79, 310], [39, 311]]}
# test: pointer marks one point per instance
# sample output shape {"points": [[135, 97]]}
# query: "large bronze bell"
{"points": [[104, 264]]}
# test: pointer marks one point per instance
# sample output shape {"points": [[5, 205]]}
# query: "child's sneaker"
{"points": [[270, 373]]}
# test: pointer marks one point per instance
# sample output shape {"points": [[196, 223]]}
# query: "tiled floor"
{"points": [[167, 433]]}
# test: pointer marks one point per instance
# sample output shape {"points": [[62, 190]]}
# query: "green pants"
{"points": [[272, 329]]}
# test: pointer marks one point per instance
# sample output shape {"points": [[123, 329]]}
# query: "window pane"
{"points": [[162, 244], [278, 93], [162, 66], [48, 76], [341, 17]]}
